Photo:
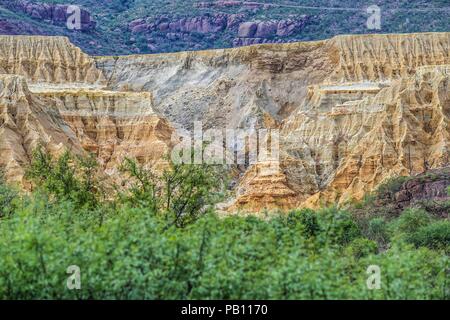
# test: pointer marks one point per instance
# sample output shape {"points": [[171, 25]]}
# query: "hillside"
{"points": [[353, 111], [137, 26]]}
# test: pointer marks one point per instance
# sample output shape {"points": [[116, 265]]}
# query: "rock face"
{"points": [[268, 31], [264, 186], [401, 130], [55, 100], [55, 13], [47, 59], [431, 185], [351, 111], [250, 87], [25, 122], [202, 24], [428, 191], [112, 125], [241, 32]]}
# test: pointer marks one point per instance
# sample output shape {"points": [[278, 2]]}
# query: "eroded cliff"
{"points": [[47, 59], [352, 111], [111, 125]]}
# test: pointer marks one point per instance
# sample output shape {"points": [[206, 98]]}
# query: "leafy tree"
{"points": [[308, 220], [66, 178], [183, 192], [361, 247], [378, 231], [339, 226]]}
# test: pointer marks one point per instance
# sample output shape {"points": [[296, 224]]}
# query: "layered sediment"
{"points": [[47, 59], [352, 111], [111, 125]]}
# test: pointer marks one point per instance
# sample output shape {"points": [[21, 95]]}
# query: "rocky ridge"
{"points": [[352, 111], [54, 13], [349, 108], [59, 102], [243, 32], [47, 59]]}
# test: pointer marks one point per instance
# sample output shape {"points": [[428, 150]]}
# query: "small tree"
{"points": [[190, 191], [143, 189], [66, 178], [182, 193]]}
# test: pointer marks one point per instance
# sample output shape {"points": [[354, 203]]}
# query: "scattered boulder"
{"points": [[247, 29]]}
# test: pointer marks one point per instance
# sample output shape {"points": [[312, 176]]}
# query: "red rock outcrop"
{"points": [[55, 13]]}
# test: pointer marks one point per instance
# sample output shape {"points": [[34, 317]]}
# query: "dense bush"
{"points": [[130, 247], [434, 236], [377, 230], [7, 198], [362, 247], [410, 221], [129, 254], [66, 178]]}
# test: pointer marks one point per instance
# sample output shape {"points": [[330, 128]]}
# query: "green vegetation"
{"points": [[160, 238], [112, 35]]}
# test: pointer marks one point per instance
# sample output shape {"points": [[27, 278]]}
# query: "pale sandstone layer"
{"points": [[352, 148], [47, 59], [111, 125], [353, 110]]}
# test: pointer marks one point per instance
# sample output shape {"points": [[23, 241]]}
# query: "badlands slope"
{"points": [[352, 111]]}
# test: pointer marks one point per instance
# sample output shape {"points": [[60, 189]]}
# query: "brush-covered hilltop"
{"points": [[352, 111], [142, 26]]}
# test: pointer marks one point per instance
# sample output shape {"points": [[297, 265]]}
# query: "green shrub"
{"points": [[377, 230], [131, 255], [339, 226], [66, 178], [434, 236], [361, 247], [307, 219], [410, 221], [7, 198]]}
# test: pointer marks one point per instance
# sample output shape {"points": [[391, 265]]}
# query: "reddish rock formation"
{"points": [[246, 32], [55, 13]]}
